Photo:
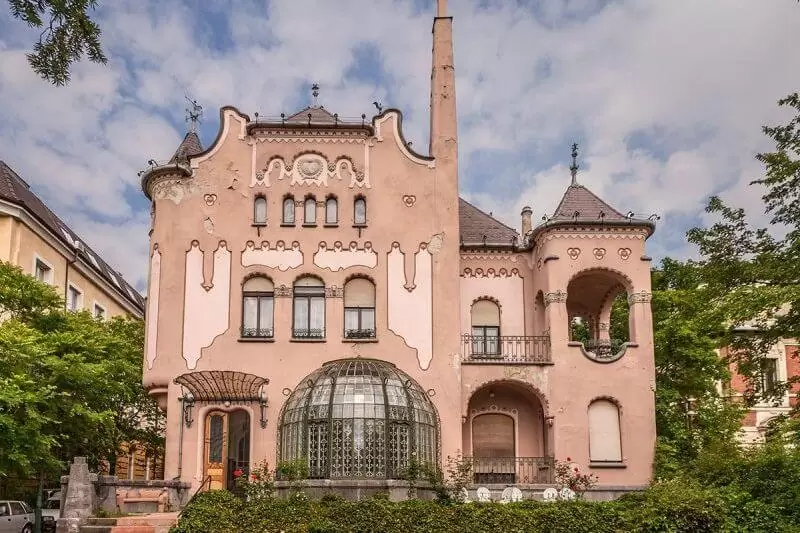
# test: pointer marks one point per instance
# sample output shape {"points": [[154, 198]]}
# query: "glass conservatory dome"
{"points": [[358, 418]]}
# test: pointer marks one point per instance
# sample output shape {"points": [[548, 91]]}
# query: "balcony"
{"points": [[512, 470], [308, 334], [359, 334], [505, 349], [256, 333]]}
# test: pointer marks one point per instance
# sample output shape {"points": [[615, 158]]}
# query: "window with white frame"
{"points": [[310, 211], [359, 309], [769, 374], [74, 298], [309, 309], [288, 210], [42, 271], [360, 211], [260, 211], [99, 311], [331, 211]]}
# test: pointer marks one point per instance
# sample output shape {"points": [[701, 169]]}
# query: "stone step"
{"points": [[94, 521], [96, 529]]}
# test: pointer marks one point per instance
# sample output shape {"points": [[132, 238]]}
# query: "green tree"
{"points": [[68, 32], [69, 384]]}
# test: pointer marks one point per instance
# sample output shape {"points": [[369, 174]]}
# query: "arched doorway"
{"points": [[506, 435], [226, 452]]}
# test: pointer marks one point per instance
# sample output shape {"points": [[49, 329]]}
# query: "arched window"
{"points": [[260, 211], [605, 443], [359, 309], [309, 309], [258, 306], [310, 211], [331, 211], [493, 436], [360, 211], [288, 210], [485, 328]]}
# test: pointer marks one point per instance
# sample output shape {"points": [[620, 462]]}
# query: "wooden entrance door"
{"points": [[215, 457]]}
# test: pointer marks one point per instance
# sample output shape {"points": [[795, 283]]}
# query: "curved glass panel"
{"points": [[359, 418]]}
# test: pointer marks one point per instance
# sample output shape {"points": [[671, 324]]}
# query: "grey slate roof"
{"points": [[190, 145], [15, 190], [319, 115], [579, 199], [475, 225]]}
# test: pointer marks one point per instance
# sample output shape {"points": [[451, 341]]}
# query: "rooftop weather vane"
{"points": [[574, 168], [315, 92], [194, 114]]}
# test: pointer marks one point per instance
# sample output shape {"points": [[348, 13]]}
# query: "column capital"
{"points": [[640, 297], [558, 296]]}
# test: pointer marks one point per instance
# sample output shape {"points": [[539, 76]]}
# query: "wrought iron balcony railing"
{"points": [[505, 349], [257, 333], [512, 469], [359, 334], [313, 333]]}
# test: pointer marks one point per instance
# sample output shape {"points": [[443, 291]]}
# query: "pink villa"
{"points": [[318, 291]]}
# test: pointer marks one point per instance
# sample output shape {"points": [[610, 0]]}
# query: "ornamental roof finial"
{"points": [[194, 114], [574, 168], [315, 92]]}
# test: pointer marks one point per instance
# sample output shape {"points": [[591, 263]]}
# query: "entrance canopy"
{"points": [[223, 386]]}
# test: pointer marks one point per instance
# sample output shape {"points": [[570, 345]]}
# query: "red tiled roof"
{"points": [[319, 115], [477, 226], [190, 145], [588, 206], [15, 190]]}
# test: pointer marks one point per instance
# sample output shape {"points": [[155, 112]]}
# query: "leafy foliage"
{"points": [[69, 384], [68, 32]]}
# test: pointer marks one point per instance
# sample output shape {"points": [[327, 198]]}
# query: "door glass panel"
{"points": [[215, 439]]}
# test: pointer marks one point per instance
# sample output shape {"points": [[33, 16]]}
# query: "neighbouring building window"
{"points": [[288, 210], [74, 298], [769, 374], [99, 312], [310, 211], [331, 211], [605, 443], [258, 306], [260, 211], [360, 211], [309, 309], [43, 272], [359, 309], [485, 328]]}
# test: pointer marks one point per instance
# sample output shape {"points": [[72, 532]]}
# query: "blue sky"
{"points": [[666, 98]]}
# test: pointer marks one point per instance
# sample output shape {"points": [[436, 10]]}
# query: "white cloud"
{"points": [[666, 98]]}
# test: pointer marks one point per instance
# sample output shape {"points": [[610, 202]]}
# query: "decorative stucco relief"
{"points": [[558, 296], [309, 168], [599, 253], [490, 273], [410, 303], [503, 256], [409, 200], [624, 253], [206, 306], [337, 258], [394, 120], [640, 297], [573, 253], [152, 305], [278, 257], [174, 190]]}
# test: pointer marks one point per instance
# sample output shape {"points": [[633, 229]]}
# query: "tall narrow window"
{"points": [[360, 211], [99, 312], [331, 211], [288, 210], [359, 309], [43, 272], [485, 328], [74, 298], [604, 436], [257, 308], [260, 211], [310, 211], [769, 374], [309, 309]]}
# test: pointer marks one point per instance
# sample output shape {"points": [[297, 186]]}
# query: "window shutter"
{"points": [[359, 292], [604, 434], [485, 313]]}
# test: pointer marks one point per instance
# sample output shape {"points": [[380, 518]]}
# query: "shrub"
{"points": [[216, 511]]}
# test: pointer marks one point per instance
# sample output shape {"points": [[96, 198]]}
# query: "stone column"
{"points": [[78, 504]]}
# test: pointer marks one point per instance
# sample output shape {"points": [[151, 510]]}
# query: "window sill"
{"points": [[359, 225], [360, 341], [330, 225], [309, 225], [298, 339], [259, 225], [287, 224], [256, 339], [607, 464]]}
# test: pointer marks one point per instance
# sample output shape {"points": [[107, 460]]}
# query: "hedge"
{"points": [[670, 506]]}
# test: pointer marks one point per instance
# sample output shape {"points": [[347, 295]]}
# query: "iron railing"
{"points": [[505, 349], [257, 333], [359, 334], [313, 333], [512, 469]]}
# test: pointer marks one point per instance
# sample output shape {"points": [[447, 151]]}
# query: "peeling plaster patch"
{"points": [[173, 190], [436, 243], [208, 224], [411, 310], [152, 305], [336, 258], [278, 257], [206, 308]]}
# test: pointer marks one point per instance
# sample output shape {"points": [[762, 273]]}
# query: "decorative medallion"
{"points": [[409, 200], [624, 253], [210, 199], [309, 168], [599, 253], [573, 253]]}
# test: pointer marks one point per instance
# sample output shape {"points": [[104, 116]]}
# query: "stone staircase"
{"points": [[151, 523]]}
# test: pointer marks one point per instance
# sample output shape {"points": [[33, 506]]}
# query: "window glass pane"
{"points": [[260, 210], [250, 312], [331, 211], [300, 313], [310, 216], [215, 436], [317, 313], [16, 508], [350, 319], [288, 211], [360, 211], [368, 319], [266, 304]]}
